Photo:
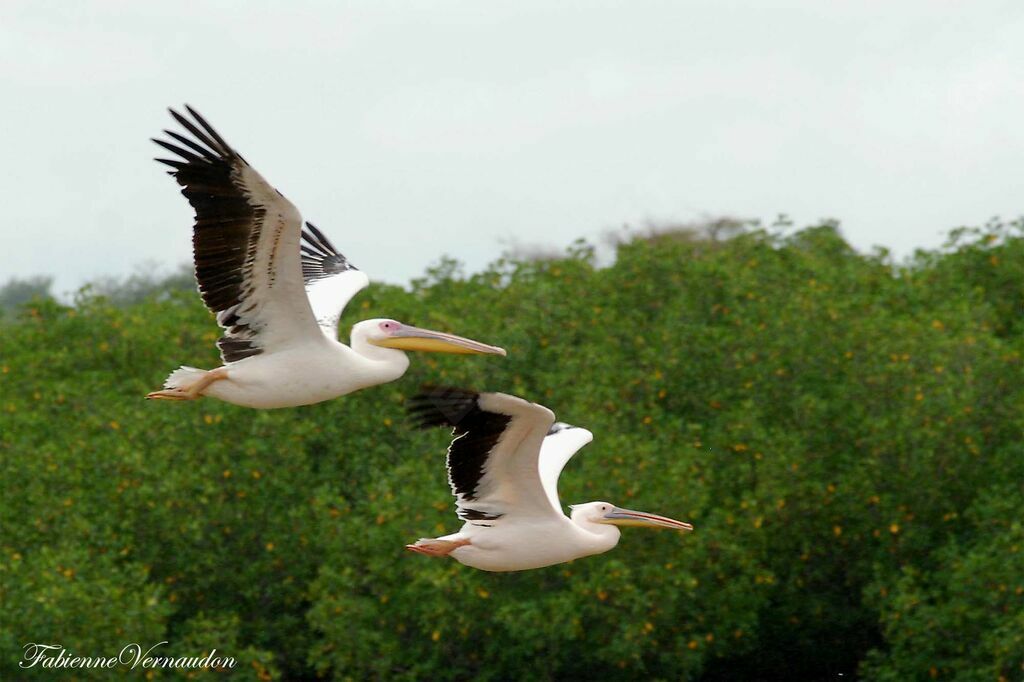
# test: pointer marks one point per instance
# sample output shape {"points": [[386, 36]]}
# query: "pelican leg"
{"points": [[436, 547], [193, 390]]}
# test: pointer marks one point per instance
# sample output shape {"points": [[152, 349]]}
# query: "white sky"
{"points": [[408, 130]]}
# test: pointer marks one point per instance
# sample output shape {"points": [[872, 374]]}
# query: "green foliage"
{"points": [[82, 599], [16, 291], [965, 618], [145, 283], [844, 433]]}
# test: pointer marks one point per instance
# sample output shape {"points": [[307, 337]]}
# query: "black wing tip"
{"points": [[319, 256], [203, 132], [430, 393], [320, 236], [188, 108], [312, 234], [471, 514], [176, 165], [180, 118], [441, 406], [175, 149], [558, 427], [317, 240]]}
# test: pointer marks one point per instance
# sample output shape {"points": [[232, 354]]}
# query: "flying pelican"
{"points": [[277, 290], [503, 468]]}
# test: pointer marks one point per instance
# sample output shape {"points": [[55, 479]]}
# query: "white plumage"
{"points": [[278, 291], [503, 467]]}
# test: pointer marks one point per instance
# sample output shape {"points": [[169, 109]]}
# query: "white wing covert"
{"points": [[562, 442], [493, 459], [331, 280]]}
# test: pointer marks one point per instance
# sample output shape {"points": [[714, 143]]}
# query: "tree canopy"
{"points": [[844, 432]]}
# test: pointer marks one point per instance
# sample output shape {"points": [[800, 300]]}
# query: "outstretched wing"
{"points": [[562, 442], [493, 459], [245, 243], [331, 280]]}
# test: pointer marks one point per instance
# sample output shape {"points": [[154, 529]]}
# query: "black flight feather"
{"points": [[227, 227], [319, 257], [476, 433]]}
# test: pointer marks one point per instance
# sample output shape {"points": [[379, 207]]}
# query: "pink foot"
{"points": [[435, 547]]}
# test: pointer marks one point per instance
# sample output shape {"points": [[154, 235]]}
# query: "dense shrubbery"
{"points": [[846, 436]]}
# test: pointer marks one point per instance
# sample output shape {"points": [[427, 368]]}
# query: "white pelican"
{"points": [[279, 308], [503, 468]]}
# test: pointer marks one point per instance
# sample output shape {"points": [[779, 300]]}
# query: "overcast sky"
{"points": [[408, 130]]}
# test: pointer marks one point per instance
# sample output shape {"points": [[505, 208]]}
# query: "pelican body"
{"points": [[278, 291], [503, 468]]}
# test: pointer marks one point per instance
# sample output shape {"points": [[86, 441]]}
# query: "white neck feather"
{"points": [[396, 361], [602, 536]]}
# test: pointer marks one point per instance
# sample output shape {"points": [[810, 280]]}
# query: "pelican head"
{"points": [[394, 334], [607, 513]]}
